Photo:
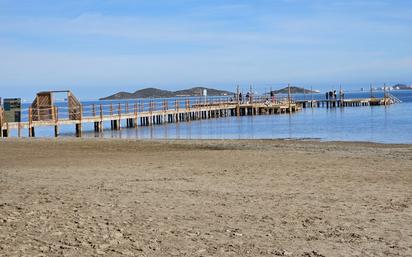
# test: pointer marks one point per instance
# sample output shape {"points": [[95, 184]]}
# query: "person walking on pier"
{"points": [[330, 95]]}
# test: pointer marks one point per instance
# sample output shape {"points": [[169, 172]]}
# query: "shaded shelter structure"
{"points": [[43, 106], [44, 109]]}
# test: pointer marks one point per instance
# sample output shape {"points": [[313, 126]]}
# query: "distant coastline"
{"points": [[159, 93], [295, 90]]}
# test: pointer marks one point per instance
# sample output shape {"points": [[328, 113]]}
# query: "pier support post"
{"points": [[118, 127], [1, 121], [56, 121], [78, 130], [96, 126], [6, 130], [56, 131]]}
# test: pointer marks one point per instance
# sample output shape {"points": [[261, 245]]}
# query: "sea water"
{"points": [[382, 124]]}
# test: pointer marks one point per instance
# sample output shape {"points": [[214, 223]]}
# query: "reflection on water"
{"points": [[392, 124]]}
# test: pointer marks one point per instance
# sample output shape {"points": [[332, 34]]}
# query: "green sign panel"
{"points": [[12, 109]]}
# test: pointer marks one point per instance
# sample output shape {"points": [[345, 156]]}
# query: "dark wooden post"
{"points": [[311, 96], [81, 121], [119, 107], [6, 131], [101, 119], [289, 100], [1, 121], [56, 121], [31, 134], [177, 110], [79, 124]]}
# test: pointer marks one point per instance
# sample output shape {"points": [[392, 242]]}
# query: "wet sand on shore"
{"points": [[95, 197]]}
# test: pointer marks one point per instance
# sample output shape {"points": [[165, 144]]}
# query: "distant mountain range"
{"points": [[159, 93], [294, 90]]}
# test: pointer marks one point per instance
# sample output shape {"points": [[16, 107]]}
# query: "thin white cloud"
{"points": [[270, 46]]}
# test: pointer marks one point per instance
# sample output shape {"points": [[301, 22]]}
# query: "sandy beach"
{"points": [[94, 197]]}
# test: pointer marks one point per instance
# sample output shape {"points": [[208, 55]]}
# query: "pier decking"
{"points": [[137, 113]]}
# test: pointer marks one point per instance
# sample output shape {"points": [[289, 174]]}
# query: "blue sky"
{"points": [[98, 47]]}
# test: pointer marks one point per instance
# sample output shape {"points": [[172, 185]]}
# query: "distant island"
{"points": [[294, 90], [402, 87], [159, 93]]}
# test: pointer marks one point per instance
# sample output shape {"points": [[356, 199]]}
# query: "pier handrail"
{"points": [[124, 107], [393, 98]]}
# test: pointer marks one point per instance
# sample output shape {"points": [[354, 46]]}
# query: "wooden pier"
{"points": [[43, 112], [132, 114], [388, 99]]}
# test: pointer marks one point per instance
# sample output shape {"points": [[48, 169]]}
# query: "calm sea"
{"points": [[390, 124]]}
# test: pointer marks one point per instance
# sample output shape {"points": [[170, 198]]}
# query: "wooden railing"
{"points": [[119, 109], [130, 111]]}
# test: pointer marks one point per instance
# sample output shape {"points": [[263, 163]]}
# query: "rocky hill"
{"points": [[293, 90], [159, 93]]}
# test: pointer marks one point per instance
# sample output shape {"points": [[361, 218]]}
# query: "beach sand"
{"points": [[95, 197]]}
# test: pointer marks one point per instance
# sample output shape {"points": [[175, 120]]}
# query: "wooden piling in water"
{"points": [[78, 125], [119, 119], [56, 121], [135, 114], [31, 129]]}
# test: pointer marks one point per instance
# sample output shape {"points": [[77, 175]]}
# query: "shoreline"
{"points": [[160, 140]]}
